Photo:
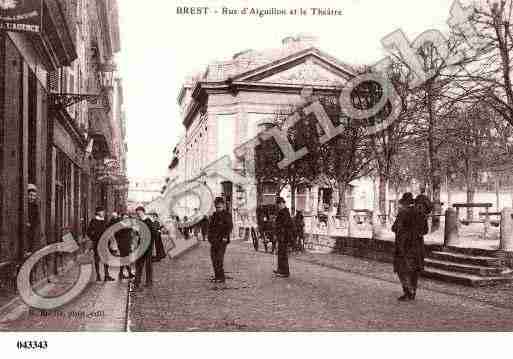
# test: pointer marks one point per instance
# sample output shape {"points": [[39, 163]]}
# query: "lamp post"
{"points": [[106, 73]]}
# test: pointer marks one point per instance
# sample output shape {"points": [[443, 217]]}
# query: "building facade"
{"points": [[232, 101], [59, 124]]}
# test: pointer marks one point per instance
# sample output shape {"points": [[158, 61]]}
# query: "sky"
{"points": [[160, 48]]}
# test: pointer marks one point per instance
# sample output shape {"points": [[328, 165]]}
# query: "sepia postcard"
{"points": [[301, 168]]}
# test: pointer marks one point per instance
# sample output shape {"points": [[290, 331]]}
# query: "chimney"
{"points": [[300, 41]]}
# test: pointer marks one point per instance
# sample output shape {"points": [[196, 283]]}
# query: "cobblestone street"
{"points": [[315, 297], [325, 292]]}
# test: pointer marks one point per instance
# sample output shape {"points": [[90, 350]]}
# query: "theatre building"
{"points": [[231, 101]]}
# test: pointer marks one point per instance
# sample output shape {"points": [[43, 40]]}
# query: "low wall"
{"points": [[383, 251], [357, 247]]}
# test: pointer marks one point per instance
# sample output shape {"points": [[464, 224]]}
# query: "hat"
{"points": [[31, 187], [99, 209], [279, 200], [140, 208], [406, 199]]}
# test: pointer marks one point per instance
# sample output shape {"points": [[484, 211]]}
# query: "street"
{"points": [[314, 298]]}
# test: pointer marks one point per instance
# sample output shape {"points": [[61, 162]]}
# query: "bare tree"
{"points": [[488, 78]]}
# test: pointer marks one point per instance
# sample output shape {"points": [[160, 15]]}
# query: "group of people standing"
{"points": [[125, 239], [409, 227], [220, 227]]}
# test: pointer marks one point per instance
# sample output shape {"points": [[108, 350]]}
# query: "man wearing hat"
{"points": [[219, 230], [34, 218], [145, 260], [159, 245], [409, 227], [284, 228], [95, 230], [423, 203]]}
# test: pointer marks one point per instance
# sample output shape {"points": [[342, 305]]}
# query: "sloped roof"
{"points": [[248, 60]]}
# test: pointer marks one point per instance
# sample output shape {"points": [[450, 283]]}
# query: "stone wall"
{"points": [[383, 251]]}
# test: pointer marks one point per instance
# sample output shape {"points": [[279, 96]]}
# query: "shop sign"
{"points": [[21, 15]]}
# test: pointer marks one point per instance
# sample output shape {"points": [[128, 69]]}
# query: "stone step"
{"points": [[482, 271], [466, 259], [466, 279]]}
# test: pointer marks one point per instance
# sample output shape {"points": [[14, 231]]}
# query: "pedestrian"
{"points": [[196, 227], [409, 227], [284, 229], [145, 260], [34, 219], [159, 245], [114, 218], [204, 227], [124, 241], [300, 230], [219, 230], [185, 228], [33, 229], [96, 228], [423, 203]]}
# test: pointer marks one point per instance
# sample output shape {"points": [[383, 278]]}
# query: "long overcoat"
{"points": [[409, 228]]}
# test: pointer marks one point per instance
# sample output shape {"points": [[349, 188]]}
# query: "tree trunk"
{"points": [[471, 190], [448, 189], [382, 194], [434, 165], [342, 205], [292, 199]]}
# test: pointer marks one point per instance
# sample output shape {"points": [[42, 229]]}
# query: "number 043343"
{"points": [[32, 344]]}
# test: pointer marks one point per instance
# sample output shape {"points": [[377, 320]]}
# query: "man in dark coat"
{"points": [[95, 230], [284, 229], [409, 227], [423, 203], [185, 227], [145, 260], [204, 227], [219, 230], [123, 240], [34, 219], [300, 230], [159, 245]]}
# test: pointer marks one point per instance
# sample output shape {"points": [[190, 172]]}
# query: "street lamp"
{"points": [[106, 73]]}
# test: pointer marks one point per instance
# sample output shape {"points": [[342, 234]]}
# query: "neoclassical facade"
{"points": [[232, 101]]}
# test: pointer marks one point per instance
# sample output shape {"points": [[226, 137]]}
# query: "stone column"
{"points": [[451, 228], [314, 199], [506, 232]]}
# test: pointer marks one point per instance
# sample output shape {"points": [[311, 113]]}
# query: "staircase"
{"points": [[467, 267]]}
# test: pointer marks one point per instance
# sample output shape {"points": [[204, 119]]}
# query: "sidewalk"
{"points": [[100, 307]]}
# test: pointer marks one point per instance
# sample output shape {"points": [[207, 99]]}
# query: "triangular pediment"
{"points": [[307, 68], [307, 73]]}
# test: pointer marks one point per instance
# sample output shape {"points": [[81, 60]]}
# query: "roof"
{"points": [[248, 60]]}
